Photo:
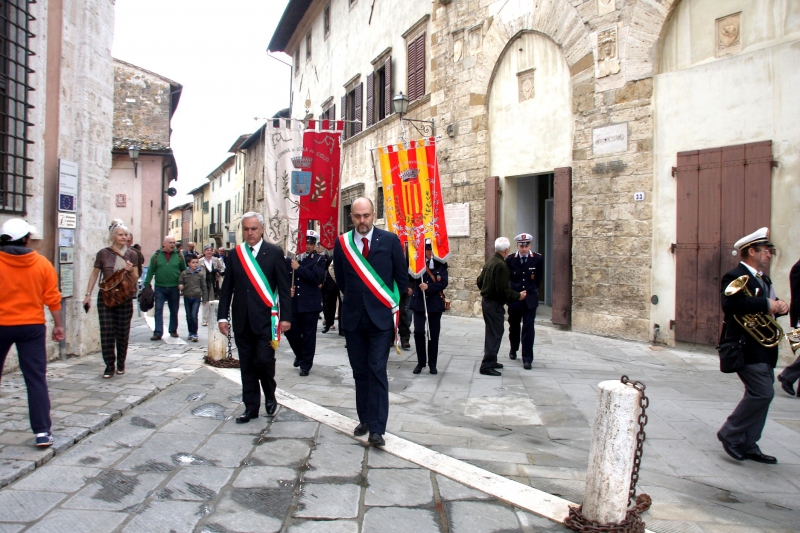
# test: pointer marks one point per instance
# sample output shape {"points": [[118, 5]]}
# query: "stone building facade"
{"points": [[605, 97]]}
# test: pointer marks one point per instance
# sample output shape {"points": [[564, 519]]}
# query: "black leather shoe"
{"points": [[405, 345], [173, 334], [490, 372], [361, 429], [761, 458], [271, 406], [731, 449], [155, 337], [325, 329], [417, 369], [498, 365], [245, 417], [512, 355], [376, 439], [786, 386], [304, 372], [434, 371], [296, 363], [526, 366]]}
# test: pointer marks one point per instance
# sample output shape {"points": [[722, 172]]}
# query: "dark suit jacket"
{"points": [[739, 304], [434, 300], [525, 278], [386, 257], [307, 281], [794, 284], [248, 307]]}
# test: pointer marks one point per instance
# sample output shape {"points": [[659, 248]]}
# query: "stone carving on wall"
{"points": [[607, 53], [525, 83], [606, 6], [475, 39], [458, 45], [729, 35]]}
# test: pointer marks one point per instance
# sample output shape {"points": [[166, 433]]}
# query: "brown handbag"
{"points": [[119, 287], [441, 293]]}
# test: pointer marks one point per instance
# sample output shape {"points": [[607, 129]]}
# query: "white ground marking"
{"points": [[503, 410]]}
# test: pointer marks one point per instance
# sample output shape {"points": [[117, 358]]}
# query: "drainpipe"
{"points": [[164, 184]]}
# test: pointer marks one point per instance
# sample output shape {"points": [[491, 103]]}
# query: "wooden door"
{"points": [[492, 213], [562, 246]]}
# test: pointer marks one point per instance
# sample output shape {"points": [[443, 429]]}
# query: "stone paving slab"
{"points": [[145, 477]]}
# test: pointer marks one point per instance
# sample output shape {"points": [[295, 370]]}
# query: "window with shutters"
{"points": [[352, 108], [379, 89], [227, 211], [308, 47], [14, 89], [297, 61], [326, 20], [416, 67], [722, 195], [379, 203]]}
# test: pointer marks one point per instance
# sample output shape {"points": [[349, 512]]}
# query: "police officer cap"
{"points": [[15, 229], [760, 237], [428, 245], [312, 235], [523, 238]]}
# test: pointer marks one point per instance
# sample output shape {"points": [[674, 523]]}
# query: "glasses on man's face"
{"points": [[772, 251]]}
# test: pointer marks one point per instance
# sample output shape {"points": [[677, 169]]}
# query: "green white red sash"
{"points": [[261, 285], [389, 298]]}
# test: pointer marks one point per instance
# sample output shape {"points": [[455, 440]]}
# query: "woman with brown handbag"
{"points": [[115, 301]]}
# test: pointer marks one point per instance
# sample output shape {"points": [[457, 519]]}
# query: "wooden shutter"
{"points": [[420, 66], [344, 116], [371, 99], [411, 86], [562, 246], [492, 224], [357, 115], [722, 195], [332, 114], [387, 88]]}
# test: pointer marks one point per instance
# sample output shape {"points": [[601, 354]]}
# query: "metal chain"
{"points": [[644, 403], [229, 361], [632, 523]]}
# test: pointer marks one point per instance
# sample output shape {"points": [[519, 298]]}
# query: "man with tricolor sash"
{"points": [[258, 283], [371, 271]]}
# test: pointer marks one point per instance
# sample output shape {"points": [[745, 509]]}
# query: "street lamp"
{"points": [[400, 106], [133, 152]]}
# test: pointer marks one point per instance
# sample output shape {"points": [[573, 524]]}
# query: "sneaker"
{"points": [[44, 439], [194, 339]]}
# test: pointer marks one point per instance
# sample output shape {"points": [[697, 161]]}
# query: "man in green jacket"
{"points": [[493, 282], [166, 266]]}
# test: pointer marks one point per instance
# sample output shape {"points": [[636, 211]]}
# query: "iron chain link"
{"points": [[229, 361], [632, 523]]}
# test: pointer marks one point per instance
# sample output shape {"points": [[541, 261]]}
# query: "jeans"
{"points": [[172, 296], [192, 306], [32, 353]]}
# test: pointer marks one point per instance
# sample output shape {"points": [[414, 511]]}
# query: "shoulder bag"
{"points": [[119, 287], [731, 352], [441, 293]]}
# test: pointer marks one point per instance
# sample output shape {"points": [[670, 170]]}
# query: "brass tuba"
{"points": [[761, 326], [794, 339]]}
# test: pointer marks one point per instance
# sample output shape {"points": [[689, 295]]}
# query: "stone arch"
{"points": [[644, 37]]}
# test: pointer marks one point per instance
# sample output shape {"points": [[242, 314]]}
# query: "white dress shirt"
{"points": [[360, 243]]}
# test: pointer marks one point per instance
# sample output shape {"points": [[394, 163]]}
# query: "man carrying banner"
{"points": [[256, 278], [371, 272]]}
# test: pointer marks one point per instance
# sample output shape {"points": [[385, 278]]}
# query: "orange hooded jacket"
{"points": [[28, 282]]}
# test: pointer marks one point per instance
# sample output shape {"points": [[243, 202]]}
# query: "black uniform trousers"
{"points": [[257, 365], [744, 426], [302, 337], [427, 350], [368, 351], [404, 327], [493, 315], [330, 299], [526, 333]]}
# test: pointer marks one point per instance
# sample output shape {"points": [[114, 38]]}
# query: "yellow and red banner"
{"points": [[413, 202]]}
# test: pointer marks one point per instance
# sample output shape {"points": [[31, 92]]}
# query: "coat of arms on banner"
{"points": [[301, 183]]}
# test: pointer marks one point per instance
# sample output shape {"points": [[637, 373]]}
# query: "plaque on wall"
{"points": [[457, 218], [610, 139], [121, 200]]}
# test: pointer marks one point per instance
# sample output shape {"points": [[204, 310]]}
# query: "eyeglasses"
{"points": [[771, 250]]}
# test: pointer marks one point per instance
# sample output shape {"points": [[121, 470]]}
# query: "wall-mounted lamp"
{"points": [[133, 152], [400, 106]]}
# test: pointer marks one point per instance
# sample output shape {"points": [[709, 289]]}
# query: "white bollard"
{"points": [[612, 452], [217, 342]]}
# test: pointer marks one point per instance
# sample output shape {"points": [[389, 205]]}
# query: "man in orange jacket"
{"points": [[28, 282]]}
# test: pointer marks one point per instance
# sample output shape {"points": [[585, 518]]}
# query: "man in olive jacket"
{"points": [[495, 292]]}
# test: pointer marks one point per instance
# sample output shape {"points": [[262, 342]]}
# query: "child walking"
{"points": [[193, 285]]}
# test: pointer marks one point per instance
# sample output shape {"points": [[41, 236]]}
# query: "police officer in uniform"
{"points": [[308, 270], [527, 269], [428, 294]]}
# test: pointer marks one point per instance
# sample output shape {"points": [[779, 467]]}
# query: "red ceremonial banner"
{"points": [[321, 158]]}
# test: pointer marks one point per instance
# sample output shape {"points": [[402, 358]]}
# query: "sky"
{"points": [[218, 52]]}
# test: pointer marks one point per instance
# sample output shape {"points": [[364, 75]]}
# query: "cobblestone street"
{"points": [[165, 464]]}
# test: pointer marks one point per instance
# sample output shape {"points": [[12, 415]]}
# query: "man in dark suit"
{"points": [[743, 428], [369, 311], [791, 373], [256, 331], [526, 271], [308, 270]]}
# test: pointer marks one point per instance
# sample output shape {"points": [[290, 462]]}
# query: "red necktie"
{"points": [[365, 250]]}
